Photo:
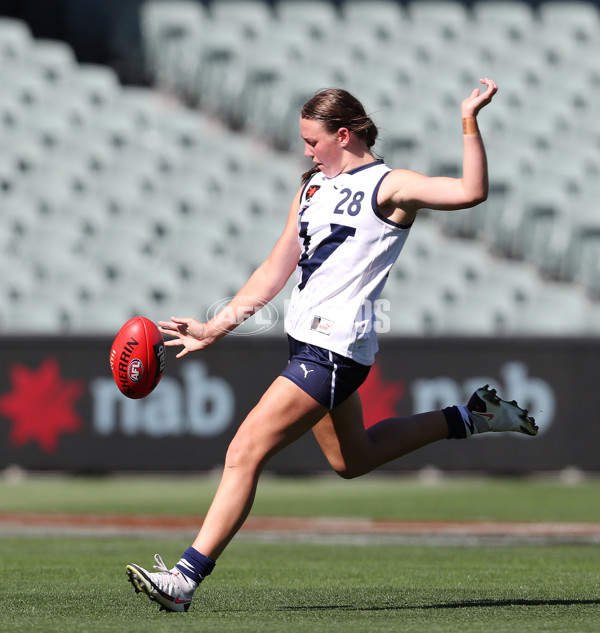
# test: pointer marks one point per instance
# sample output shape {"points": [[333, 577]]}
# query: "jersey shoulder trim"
{"points": [[375, 207]]}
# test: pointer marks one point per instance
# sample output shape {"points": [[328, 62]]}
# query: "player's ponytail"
{"points": [[307, 174], [371, 132]]}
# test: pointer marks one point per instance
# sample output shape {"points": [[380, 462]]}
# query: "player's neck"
{"points": [[358, 161], [358, 155]]}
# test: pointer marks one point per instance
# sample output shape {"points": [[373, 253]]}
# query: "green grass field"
{"points": [[79, 584]]}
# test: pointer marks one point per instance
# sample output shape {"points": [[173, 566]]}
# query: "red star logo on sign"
{"points": [[379, 397], [41, 405]]}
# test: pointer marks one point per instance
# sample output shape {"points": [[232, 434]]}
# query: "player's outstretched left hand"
{"points": [[477, 99]]}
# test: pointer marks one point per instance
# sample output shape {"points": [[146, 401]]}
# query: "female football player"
{"points": [[346, 226]]}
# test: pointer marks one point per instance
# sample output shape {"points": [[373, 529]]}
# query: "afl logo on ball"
{"points": [[135, 371]]}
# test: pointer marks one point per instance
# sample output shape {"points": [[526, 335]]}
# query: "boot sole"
{"points": [[529, 427], [141, 584]]}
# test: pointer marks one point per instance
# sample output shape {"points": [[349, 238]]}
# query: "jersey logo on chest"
{"points": [[310, 192]]}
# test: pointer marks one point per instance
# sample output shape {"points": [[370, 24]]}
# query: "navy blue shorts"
{"points": [[325, 376]]}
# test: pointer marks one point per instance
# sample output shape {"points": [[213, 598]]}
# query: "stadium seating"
{"points": [[378, 20], [120, 199], [171, 35], [250, 18], [15, 39]]}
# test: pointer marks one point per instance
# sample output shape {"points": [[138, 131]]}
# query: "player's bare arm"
{"points": [[266, 282], [404, 192]]}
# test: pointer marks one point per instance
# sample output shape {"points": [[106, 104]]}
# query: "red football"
{"points": [[137, 357]]}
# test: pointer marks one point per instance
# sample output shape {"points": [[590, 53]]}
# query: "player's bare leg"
{"points": [[353, 450], [284, 414]]}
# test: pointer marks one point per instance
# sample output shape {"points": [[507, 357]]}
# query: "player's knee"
{"points": [[345, 474], [349, 471], [243, 453]]}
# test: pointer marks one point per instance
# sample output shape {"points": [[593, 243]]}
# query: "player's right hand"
{"points": [[188, 333]]}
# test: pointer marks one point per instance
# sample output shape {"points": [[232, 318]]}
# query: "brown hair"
{"points": [[337, 108]]}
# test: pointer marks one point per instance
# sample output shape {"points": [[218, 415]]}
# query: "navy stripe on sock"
{"points": [[456, 424], [195, 565]]}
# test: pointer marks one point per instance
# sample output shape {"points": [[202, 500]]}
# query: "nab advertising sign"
{"points": [[61, 410]]}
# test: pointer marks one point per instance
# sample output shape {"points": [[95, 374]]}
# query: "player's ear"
{"points": [[343, 135]]}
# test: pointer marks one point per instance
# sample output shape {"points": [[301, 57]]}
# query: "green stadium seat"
{"points": [[172, 31], [514, 20], [448, 19], [15, 39], [54, 60], [380, 19], [251, 18], [98, 85], [577, 21], [318, 19]]}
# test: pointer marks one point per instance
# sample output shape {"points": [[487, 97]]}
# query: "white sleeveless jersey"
{"points": [[348, 249]]}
